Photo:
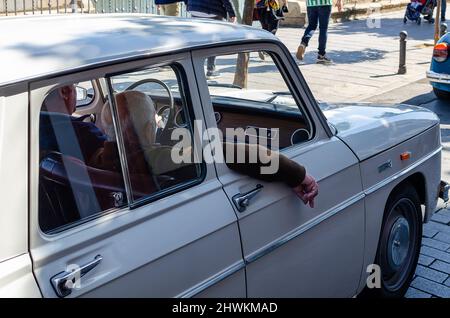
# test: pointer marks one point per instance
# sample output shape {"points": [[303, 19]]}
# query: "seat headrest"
{"points": [[136, 114]]}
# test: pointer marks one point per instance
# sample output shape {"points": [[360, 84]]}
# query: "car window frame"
{"points": [[99, 73], [300, 105], [187, 104], [288, 70], [66, 227]]}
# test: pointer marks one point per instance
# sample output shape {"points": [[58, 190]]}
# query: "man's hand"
{"points": [[307, 190], [233, 19], [339, 5]]}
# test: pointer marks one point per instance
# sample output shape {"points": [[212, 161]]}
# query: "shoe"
{"points": [[301, 52], [212, 74], [443, 20], [262, 56], [323, 59]]}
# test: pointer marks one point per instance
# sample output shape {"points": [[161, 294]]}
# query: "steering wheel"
{"points": [[171, 117]]}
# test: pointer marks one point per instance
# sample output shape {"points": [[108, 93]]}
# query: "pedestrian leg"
{"points": [[172, 9], [263, 18], [324, 20], [443, 10], [274, 21], [313, 20]]}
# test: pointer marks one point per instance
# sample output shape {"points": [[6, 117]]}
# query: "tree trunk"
{"points": [[240, 77], [437, 24]]}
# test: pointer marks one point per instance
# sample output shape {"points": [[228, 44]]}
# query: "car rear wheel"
{"points": [[441, 94], [399, 245]]}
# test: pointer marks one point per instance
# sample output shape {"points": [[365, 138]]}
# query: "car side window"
{"points": [[89, 168], [151, 105], [79, 171], [257, 101]]}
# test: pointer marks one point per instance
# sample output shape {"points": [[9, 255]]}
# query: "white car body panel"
{"points": [[371, 129], [291, 248], [429, 167], [70, 41], [16, 278], [13, 176]]}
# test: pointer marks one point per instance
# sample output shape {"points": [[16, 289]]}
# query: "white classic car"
{"points": [[93, 208]]}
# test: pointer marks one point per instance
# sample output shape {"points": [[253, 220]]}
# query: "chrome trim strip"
{"points": [[214, 280], [438, 77], [401, 173], [303, 228]]}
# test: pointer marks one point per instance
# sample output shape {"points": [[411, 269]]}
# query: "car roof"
{"points": [[42, 45]]}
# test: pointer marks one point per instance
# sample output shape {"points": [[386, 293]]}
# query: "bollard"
{"points": [[402, 64], [73, 5], [444, 29]]}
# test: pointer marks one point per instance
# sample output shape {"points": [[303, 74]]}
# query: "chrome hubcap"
{"points": [[398, 243]]}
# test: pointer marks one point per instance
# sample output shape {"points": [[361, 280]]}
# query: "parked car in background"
{"points": [[92, 206], [439, 74]]}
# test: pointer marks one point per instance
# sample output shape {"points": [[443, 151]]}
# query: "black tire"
{"points": [[441, 94], [402, 225]]}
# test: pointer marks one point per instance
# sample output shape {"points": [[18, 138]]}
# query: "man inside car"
{"points": [[87, 142], [62, 132]]}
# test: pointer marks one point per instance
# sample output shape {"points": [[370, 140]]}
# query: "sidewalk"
{"points": [[366, 59], [352, 9]]}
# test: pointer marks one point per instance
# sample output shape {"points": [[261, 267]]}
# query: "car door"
{"points": [[179, 239], [16, 276], [290, 250]]}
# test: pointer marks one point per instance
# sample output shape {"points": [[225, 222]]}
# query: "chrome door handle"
{"points": [[242, 201], [64, 282]]}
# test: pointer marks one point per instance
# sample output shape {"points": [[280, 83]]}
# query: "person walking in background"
{"points": [[169, 7], [270, 12], [319, 13], [211, 9]]}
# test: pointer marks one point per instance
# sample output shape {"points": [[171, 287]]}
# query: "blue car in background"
{"points": [[439, 74]]}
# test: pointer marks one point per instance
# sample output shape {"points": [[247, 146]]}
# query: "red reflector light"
{"points": [[405, 156], [440, 53]]}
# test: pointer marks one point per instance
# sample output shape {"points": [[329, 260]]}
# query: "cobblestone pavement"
{"points": [[433, 271]]}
